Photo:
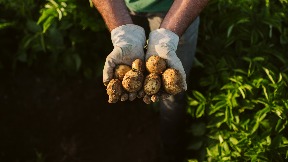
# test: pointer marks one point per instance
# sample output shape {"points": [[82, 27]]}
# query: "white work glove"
{"points": [[163, 42], [128, 41]]}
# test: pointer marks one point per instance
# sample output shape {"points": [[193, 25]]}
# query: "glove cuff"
{"points": [[164, 38], [128, 35]]}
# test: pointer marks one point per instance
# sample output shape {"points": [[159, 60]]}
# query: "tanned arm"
{"points": [[114, 12], [181, 15]]}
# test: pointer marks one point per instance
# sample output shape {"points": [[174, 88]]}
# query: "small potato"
{"points": [[113, 98], [124, 97], [132, 96], [137, 65], [147, 99], [133, 81], [155, 64], [114, 90], [120, 71], [152, 84], [114, 87], [154, 98], [172, 81]]}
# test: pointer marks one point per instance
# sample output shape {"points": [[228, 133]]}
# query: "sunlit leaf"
{"points": [[199, 96], [265, 92], [219, 105], [200, 110], [233, 140], [221, 140], [230, 30], [269, 75]]}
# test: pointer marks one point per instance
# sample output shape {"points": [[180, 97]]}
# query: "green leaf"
{"points": [[220, 97], [226, 158], [45, 15], [258, 59], [269, 75], [216, 122], [200, 110], [209, 153], [228, 86], [236, 154], [192, 160], [284, 141], [260, 115], [47, 24], [219, 105], [198, 96], [278, 110], [77, 60], [193, 102], [241, 71], [281, 124], [6, 24], [280, 78], [221, 140], [243, 20], [247, 59], [255, 127], [242, 92], [233, 140], [230, 30], [268, 138], [226, 148], [229, 116], [265, 92]]}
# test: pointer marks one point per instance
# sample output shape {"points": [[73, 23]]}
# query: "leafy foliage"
{"points": [[58, 35], [245, 87], [242, 92]]}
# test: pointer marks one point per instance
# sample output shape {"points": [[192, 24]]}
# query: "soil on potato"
{"points": [[46, 119]]}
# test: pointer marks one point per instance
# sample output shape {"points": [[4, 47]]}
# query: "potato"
{"points": [[155, 64], [133, 81], [124, 97], [137, 65], [120, 71], [114, 90], [113, 98], [154, 98], [132, 96], [152, 84], [147, 99], [172, 81]]}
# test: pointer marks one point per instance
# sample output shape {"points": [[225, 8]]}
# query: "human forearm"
{"points": [[114, 12], [181, 15]]}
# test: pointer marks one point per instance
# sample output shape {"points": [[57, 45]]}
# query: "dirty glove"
{"points": [[163, 42], [128, 41]]}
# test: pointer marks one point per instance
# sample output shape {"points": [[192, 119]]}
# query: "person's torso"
{"points": [[149, 5]]}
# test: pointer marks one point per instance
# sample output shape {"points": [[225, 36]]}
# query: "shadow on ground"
{"points": [[69, 120]]}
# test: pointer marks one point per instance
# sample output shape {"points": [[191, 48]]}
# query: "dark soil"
{"points": [[44, 118]]}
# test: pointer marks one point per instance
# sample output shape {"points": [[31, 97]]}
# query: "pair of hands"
{"points": [[129, 41]]}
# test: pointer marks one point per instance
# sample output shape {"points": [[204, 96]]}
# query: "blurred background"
{"points": [[53, 105]]}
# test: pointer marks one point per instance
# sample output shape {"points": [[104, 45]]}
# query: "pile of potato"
{"points": [[160, 82]]}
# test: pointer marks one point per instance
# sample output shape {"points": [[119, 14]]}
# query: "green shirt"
{"points": [[149, 5]]}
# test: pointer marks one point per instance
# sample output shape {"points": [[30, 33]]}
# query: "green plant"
{"points": [[245, 87], [55, 35]]}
